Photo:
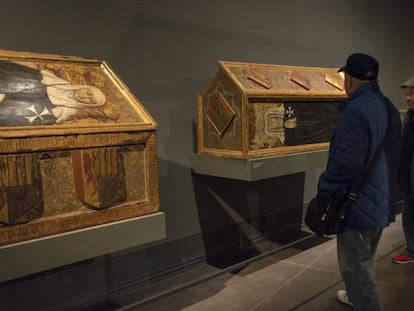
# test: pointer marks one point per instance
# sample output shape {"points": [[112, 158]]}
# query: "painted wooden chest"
{"points": [[77, 149], [257, 110]]}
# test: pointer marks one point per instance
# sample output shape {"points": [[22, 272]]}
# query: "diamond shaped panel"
{"points": [[220, 114]]}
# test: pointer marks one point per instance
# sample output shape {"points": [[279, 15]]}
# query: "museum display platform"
{"points": [[36, 255], [242, 203], [261, 168], [66, 248]]}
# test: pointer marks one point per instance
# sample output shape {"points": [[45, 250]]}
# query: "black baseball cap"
{"points": [[361, 66]]}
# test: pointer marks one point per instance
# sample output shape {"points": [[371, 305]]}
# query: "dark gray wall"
{"points": [[166, 52]]}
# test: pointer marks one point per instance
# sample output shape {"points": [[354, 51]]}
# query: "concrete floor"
{"points": [[299, 277]]}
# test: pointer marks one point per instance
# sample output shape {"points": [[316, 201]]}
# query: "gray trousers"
{"points": [[356, 258]]}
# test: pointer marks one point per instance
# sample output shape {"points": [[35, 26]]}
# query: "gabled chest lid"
{"points": [[44, 94], [281, 81]]}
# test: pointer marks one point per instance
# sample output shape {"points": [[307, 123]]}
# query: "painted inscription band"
{"points": [[65, 142]]}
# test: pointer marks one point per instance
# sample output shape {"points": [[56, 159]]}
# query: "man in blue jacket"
{"points": [[367, 118]]}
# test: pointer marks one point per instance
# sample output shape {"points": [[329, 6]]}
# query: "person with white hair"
{"points": [[30, 97]]}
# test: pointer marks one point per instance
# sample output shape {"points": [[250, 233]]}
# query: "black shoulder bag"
{"points": [[326, 215]]}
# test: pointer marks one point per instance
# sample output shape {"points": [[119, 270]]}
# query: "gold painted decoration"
{"points": [[100, 175], [300, 79], [335, 80], [220, 114], [21, 197], [261, 77]]}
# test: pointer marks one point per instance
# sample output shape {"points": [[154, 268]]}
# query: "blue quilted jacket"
{"points": [[360, 129]]}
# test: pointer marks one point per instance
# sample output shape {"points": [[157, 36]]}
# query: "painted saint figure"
{"points": [[31, 97]]}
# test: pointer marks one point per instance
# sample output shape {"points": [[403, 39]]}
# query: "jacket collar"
{"points": [[372, 86]]}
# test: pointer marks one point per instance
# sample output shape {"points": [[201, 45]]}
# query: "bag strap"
{"points": [[353, 193]]}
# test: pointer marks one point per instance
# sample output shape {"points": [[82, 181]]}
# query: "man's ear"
{"points": [[352, 84]]}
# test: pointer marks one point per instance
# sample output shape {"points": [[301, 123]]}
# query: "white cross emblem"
{"points": [[37, 114], [289, 112]]}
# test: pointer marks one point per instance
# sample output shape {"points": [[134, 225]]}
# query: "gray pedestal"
{"points": [[256, 169], [41, 254], [242, 204]]}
